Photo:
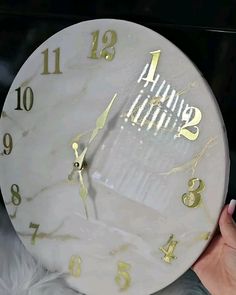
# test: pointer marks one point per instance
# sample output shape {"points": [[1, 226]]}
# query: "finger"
{"points": [[227, 225], [205, 259]]}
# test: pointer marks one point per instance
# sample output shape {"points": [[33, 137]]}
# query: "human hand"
{"points": [[216, 268]]}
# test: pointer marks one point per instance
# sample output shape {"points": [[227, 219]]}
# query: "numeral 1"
{"points": [[16, 197], [46, 60], [8, 143], [153, 66], [27, 99], [109, 39], [34, 235]]}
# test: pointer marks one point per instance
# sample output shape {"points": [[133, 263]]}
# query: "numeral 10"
{"points": [[26, 100]]}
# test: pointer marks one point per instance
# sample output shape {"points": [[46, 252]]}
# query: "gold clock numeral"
{"points": [[46, 62], [27, 99], [123, 278], [193, 197], [153, 66], [7, 143], [190, 123], [168, 249], [34, 235], [94, 45], [75, 266], [16, 197], [109, 39]]}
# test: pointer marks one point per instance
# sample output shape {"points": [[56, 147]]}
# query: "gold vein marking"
{"points": [[205, 236], [188, 88], [210, 219], [51, 235], [29, 199], [4, 114], [27, 81], [121, 248], [192, 164], [13, 216]]}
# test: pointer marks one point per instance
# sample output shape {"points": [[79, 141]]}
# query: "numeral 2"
{"points": [[190, 123], [109, 39]]}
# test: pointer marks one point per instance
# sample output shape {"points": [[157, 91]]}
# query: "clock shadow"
{"points": [[111, 124]]}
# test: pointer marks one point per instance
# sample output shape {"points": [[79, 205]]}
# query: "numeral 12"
{"points": [[109, 39]]}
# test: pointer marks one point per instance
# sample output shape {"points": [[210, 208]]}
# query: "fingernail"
{"points": [[231, 207]]}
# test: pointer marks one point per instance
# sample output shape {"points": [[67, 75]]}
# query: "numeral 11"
{"points": [[46, 60]]}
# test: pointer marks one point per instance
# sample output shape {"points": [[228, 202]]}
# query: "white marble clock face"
{"points": [[126, 105]]}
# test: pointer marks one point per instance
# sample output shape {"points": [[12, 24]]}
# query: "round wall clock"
{"points": [[114, 159]]}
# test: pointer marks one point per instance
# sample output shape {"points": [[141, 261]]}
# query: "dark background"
{"points": [[205, 30]]}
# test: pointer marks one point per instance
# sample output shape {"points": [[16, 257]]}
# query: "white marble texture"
{"points": [[135, 177]]}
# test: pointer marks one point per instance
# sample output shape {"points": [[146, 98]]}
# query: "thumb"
{"points": [[227, 225]]}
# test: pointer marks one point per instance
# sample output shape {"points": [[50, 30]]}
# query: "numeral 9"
{"points": [[8, 143]]}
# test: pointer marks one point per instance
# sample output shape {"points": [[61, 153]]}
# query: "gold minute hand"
{"points": [[101, 120], [100, 123]]}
